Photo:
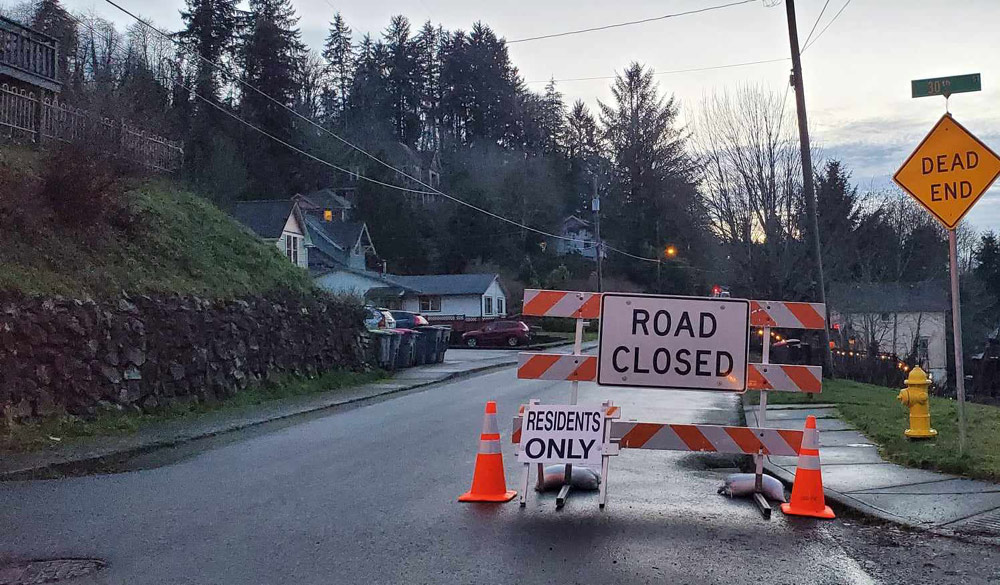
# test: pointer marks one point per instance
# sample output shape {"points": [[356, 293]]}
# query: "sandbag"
{"points": [[742, 484], [582, 478]]}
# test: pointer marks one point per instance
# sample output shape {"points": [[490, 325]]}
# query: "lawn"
{"points": [[875, 412], [30, 437], [587, 335]]}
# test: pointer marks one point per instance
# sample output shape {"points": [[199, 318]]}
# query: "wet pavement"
{"points": [[368, 495], [855, 475], [84, 455]]}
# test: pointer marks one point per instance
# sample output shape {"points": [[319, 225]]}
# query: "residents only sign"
{"points": [[686, 343], [562, 434]]}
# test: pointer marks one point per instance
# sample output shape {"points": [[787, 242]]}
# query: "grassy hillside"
{"points": [[71, 226]]}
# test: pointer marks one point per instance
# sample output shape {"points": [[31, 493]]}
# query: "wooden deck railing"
{"points": [[28, 56], [26, 118]]}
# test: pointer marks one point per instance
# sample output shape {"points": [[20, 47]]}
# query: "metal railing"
{"points": [[28, 52], [24, 117]]}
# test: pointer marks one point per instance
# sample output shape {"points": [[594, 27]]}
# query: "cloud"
{"points": [[874, 148]]}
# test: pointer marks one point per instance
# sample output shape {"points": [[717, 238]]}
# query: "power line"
{"points": [[630, 23], [672, 72], [433, 190], [818, 18], [834, 19]]}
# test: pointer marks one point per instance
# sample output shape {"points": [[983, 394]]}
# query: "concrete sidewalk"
{"points": [[90, 452], [855, 476]]}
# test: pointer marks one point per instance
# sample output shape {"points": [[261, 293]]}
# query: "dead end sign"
{"points": [[686, 343], [562, 434], [949, 171]]}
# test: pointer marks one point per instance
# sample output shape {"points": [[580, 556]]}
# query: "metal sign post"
{"points": [[568, 478], [947, 174], [956, 324], [758, 485]]}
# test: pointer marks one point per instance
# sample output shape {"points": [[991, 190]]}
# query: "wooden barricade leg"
{"points": [[758, 489], [574, 397]]}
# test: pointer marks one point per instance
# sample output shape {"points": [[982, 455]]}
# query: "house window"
{"points": [[292, 248], [499, 306], [488, 304], [922, 353], [430, 304]]}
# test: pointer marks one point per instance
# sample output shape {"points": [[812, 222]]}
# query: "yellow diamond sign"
{"points": [[949, 171]]}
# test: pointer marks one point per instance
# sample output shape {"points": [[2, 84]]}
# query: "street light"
{"points": [[670, 251]]}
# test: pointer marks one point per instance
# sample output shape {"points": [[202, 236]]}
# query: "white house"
{"points": [[896, 317], [279, 221], [583, 241], [345, 280], [445, 295]]}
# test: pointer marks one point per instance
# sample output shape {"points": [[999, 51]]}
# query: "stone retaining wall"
{"points": [[64, 355]]}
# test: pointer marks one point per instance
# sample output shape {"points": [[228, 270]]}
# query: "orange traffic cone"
{"points": [[488, 483], [807, 491]]}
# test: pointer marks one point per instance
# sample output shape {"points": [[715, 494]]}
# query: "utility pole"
{"points": [[595, 206], [807, 175]]}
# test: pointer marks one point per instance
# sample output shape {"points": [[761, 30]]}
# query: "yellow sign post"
{"points": [[947, 174], [949, 171]]}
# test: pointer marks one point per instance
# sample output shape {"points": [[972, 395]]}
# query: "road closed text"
{"points": [[673, 342], [641, 358]]}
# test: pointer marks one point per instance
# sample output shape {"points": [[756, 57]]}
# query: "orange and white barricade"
{"points": [[767, 377], [574, 368], [764, 377]]}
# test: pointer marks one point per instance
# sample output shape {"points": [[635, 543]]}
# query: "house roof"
{"points": [[266, 217], [344, 235], [573, 221], [929, 296], [323, 199], [334, 240], [447, 284]]}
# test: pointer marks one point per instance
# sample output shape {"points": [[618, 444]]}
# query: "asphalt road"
{"points": [[368, 495]]}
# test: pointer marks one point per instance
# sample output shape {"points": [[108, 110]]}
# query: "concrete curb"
{"points": [[55, 462], [857, 506]]}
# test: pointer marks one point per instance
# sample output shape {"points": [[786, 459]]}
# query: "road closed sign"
{"points": [[562, 434], [687, 343]]}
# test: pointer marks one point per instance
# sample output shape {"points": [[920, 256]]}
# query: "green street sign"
{"points": [[946, 85]]}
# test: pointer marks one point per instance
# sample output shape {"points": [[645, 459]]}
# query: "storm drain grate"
{"points": [[38, 572], [987, 524]]}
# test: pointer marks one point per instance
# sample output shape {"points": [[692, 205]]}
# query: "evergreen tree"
{"points": [[271, 56], [838, 217], [583, 149], [653, 195], [210, 33], [480, 88], [339, 54], [428, 43], [369, 112], [402, 80], [553, 119]]}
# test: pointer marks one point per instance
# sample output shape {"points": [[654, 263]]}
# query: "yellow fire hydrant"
{"points": [[914, 396]]}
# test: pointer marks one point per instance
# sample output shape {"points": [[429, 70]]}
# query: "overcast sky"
{"points": [[857, 75]]}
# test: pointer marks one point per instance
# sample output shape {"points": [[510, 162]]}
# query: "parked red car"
{"points": [[509, 333]]}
